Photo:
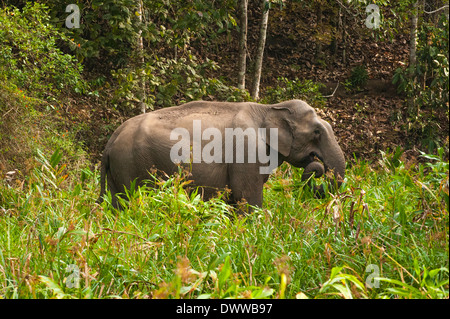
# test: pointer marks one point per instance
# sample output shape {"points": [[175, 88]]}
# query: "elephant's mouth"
{"points": [[312, 157], [314, 164]]}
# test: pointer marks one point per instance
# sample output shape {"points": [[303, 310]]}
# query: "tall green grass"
{"points": [[383, 235]]}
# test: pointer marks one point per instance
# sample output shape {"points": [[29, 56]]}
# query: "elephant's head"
{"points": [[303, 137]]}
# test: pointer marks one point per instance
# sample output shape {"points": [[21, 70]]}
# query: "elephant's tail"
{"points": [[103, 170]]}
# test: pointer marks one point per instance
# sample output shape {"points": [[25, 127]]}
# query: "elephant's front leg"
{"points": [[246, 184]]}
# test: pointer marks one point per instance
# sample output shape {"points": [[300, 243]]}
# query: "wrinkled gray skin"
{"points": [[143, 143]]}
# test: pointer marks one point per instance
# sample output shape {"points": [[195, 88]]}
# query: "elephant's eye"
{"points": [[316, 131]]}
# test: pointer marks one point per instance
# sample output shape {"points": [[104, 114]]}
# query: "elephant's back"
{"points": [[199, 110]]}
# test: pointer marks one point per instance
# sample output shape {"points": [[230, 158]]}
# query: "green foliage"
{"points": [[28, 124], [220, 91], [50, 172], [426, 84], [344, 283], [109, 33], [30, 57], [173, 81], [427, 81], [34, 75], [221, 280], [428, 284], [305, 90], [168, 243], [107, 29], [358, 78]]}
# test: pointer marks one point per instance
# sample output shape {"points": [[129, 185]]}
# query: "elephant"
{"points": [[288, 131]]}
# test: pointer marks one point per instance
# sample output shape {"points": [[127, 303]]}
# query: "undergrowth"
{"points": [[36, 80], [383, 235]]}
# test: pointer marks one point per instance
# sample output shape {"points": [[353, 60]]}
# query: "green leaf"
{"points": [[225, 272], [57, 290], [344, 290], [405, 286], [434, 272], [263, 293], [56, 158]]}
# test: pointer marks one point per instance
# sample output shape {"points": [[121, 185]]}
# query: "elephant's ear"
{"points": [[278, 117]]}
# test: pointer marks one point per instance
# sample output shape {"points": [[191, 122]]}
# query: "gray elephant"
{"points": [[224, 144]]}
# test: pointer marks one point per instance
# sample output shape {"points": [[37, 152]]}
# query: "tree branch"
{"points": [[437, 10], [335, 89]]}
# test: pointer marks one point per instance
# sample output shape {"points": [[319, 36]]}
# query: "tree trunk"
{"points": [[413, 47], [337, 34], [320, 28], [344, 36], [141, 63], [413, 34], [260, 49], [243, 45]]}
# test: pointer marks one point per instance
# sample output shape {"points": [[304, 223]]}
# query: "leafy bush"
{"points": [[108, 39], [34, 74], [358, 78], [109, 29], [28, 124], [294, 89], [29, 53], [173, 81], [426, 84]]}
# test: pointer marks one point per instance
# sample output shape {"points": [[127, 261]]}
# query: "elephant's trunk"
{"points": [[315, 168], [318, 170], [334, 181], [334, 162]]}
